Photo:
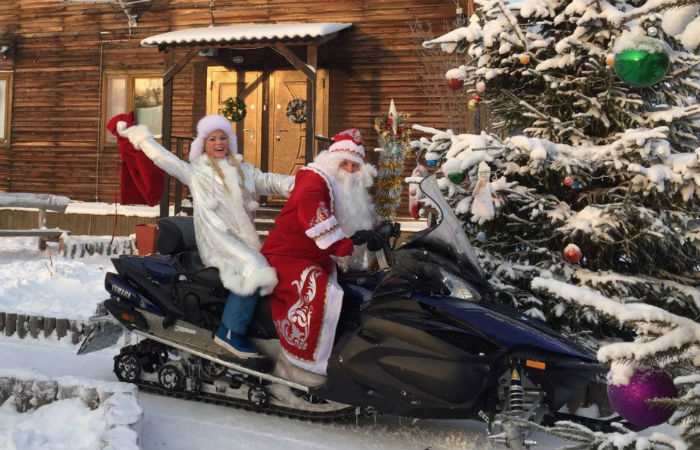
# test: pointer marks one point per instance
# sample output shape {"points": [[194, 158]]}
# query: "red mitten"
{"points": [[343, 247]]}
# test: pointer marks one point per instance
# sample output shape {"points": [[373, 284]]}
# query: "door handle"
{"points": [[251, 131], [282, 130]]}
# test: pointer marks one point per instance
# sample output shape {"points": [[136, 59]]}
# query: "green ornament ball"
{"points": [[456, 177], [644, 62]]}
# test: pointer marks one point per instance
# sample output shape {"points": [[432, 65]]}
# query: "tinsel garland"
{"points": [[394, 148]]}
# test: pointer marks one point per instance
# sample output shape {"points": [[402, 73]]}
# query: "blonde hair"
{"points": [[234, 162]]}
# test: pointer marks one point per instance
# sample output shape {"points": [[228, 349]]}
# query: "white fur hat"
{"points": [[206, 126], [349, 144]]}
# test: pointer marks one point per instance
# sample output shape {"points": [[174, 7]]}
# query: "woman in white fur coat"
{"points": [[223, 191]]}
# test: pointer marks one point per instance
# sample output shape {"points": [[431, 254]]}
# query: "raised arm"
{"points": [[272, 183], [141, 138]]}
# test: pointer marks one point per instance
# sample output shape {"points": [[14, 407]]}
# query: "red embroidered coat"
{"points": [[307, 300]]}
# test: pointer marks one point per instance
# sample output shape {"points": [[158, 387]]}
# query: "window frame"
{"points": [[130, 76], [7, 77]]}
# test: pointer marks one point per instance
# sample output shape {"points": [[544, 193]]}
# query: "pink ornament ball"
{"points": [[568, 181], [455, 83], [629, 400]]}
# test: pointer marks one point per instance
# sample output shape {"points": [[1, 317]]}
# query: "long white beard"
{"points": [[354, 209]]}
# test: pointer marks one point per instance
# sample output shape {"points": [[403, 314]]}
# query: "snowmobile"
{"points": [[420, 337]]}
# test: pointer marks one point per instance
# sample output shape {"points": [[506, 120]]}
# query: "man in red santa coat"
{"points": [[329, 203]]}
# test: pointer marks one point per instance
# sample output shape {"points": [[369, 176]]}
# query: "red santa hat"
{"points": [[206, 126], [349, 144]]}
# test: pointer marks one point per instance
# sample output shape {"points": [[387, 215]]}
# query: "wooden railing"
{"points": [[177, 190], [41, 202]]}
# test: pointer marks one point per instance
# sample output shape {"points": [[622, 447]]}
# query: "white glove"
{"points": [[136, 134]]}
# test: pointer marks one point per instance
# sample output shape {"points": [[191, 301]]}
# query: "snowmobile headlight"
{"points": [[458, 287]]}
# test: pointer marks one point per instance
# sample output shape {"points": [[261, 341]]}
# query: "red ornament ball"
{"points": [[568, 181], [455, 83], [572, 254], [476, 97]]}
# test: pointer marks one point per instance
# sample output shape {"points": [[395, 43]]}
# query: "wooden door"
{"points": [[286, 138], [248, 85]]}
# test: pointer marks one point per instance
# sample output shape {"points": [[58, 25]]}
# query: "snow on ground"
{"points": [[67, 421], [74, 412], [174, 424], [46, 284]]}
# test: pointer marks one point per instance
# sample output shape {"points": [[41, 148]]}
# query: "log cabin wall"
{"points": [[64, 49]]}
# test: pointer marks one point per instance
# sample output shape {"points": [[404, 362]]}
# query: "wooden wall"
{"points": [[64, 49]]}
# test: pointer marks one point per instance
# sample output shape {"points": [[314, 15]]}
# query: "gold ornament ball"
{"points": [[524, 59], [472, 104], [609, 61]]}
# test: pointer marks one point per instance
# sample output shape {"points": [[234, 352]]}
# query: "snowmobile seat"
{"points": [[198, 272], [176, 238], [176, 235]]}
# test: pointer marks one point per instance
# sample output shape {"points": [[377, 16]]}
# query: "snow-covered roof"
{"points": [[245, 33]]}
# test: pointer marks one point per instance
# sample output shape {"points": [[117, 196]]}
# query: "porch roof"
{"points": [[246, 33]]}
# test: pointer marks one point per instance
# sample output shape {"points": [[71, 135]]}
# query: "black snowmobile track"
{"points": [[332, 416], [149, 345]]}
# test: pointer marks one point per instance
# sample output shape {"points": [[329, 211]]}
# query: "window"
{"points": [[141, 92], [5, 95]]}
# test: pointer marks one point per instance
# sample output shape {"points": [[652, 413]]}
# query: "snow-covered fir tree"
{"points": [[596, 180]]}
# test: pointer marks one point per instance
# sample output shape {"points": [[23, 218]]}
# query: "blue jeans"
{"points": [[238, 312]]}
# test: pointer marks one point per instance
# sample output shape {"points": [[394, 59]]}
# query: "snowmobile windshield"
{"points": [[448, 233]]}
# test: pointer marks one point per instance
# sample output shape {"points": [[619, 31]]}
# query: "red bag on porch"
{"points": [[142, 182]]}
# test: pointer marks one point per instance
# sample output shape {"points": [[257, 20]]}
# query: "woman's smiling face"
{"points": [[216, 144]]}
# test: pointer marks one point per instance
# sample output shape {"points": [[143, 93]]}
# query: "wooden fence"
{"points": [[27, 325]]}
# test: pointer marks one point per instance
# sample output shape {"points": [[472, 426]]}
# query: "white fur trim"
{"points": [[327, 239], [349, 150], [322, 227], [263, 278], [331, 314], [328, 178], [206, 126]]}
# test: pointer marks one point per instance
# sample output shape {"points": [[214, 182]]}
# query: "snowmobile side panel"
{"points": [[163, 300], [160, 270], [201, 305], [406, 370], [507, 331], [120, 288]]}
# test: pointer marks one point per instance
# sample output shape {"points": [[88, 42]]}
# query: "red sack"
{"points": [[142, 182]]}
